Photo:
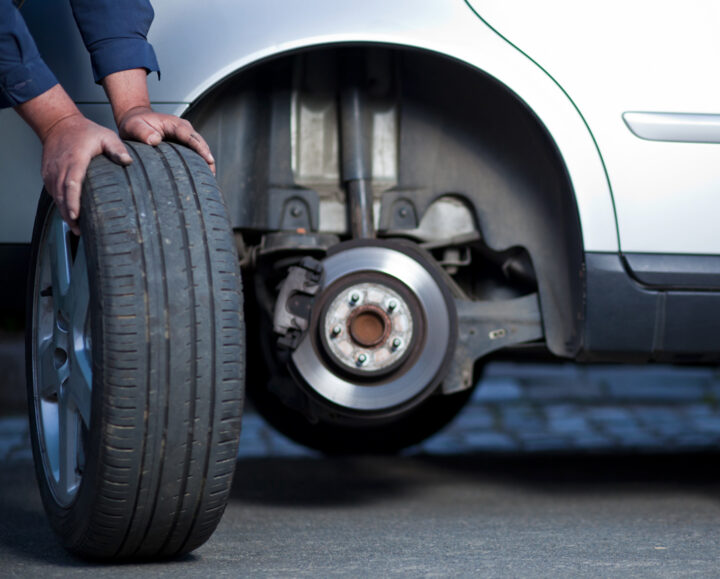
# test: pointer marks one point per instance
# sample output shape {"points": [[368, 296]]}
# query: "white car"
{"points": [[411, 185]]}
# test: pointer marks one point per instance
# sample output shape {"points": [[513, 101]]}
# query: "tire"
{"points": [[135, 358]]}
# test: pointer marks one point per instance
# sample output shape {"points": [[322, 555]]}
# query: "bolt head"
{"points": [[337, 330], [392, 304], [361, 359], [396, 343], [355, 297]]}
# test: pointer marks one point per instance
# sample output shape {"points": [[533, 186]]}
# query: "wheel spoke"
{"points": [[79, 385], [78, 301], [59, 260], [69, 436], [78, 293]]}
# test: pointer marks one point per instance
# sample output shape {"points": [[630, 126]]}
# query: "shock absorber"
{"points": [[356, 164]]}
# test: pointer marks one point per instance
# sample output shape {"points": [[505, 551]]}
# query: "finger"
{"points": [[73, 188], [57, 192], [116, 151], [184, 133]]}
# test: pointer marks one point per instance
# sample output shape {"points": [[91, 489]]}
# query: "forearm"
{"points": [[45, 111], [126, 90]]}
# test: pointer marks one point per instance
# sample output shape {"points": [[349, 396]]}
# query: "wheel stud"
{"points": [[392, 304], [337, 330], [396, 343], [361, 359], [354, 298]]}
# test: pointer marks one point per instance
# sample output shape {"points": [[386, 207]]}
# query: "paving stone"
{"points": [[699, 409], [639, 439], [438, 445], [530, 370], [497, 389], [607, 414], [695, 440], [669, 429], [651, 415], [562, 391], [491, 441], [656, 388], [12, 373], [13, 425], [621, 430], [474, 416], [710, 424], [554, 411], [590, 441], [23, 454], [568, 425]]}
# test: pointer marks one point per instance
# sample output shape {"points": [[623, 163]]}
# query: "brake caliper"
{"points": [[294, 304]]}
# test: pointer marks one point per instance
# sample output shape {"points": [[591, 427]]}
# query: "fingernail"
{"points": [[73, 214], [212, 159]]}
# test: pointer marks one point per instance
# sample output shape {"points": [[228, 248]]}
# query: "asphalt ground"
{"points": [[551, 471]]}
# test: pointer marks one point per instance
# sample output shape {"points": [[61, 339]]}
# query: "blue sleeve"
{"points": [[23, 74], [115, 34]]}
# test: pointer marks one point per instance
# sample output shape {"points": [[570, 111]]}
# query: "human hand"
{"points": [[68, 147], [143, 124]]}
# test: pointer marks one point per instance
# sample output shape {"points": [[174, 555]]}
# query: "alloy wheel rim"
{"points": [[61, 357]]}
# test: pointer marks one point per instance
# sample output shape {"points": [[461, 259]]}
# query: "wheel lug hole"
{"points": [[59, 358]]}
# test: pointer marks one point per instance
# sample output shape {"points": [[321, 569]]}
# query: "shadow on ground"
{"points": [[307, 482]]}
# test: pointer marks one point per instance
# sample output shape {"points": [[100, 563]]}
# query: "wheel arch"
{"points": [[514, 176]]}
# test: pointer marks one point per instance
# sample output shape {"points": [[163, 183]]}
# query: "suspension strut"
{"points": [[355, 147]]}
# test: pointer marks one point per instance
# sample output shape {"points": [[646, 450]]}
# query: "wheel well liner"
{"points": [[460, 132]]}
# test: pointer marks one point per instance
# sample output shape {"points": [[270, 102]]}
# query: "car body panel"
{"points": [[641, 56], [199, 45]]}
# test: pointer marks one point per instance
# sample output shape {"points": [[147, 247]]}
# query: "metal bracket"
{"points": [[292, 209], [486, 326]]}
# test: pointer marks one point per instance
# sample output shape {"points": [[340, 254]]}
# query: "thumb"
{"points": [[138, 130]]}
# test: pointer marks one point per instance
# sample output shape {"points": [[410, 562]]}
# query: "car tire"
{"points": [[135, 358]]}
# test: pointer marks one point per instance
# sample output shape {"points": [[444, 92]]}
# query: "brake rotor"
{"points": [[382, 330]]}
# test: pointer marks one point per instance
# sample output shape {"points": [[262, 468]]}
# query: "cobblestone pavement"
{"points": [[530, 408]]}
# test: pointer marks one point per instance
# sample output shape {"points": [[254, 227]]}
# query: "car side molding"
{"points": [[674, 127], [675, 271]]}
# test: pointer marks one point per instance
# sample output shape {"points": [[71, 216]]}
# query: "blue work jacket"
{"points": [[114, 32]]}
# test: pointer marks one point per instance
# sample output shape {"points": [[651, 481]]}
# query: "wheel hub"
{"points": [[368, 327]]}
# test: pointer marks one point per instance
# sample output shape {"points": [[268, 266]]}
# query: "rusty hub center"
{"points": [[369, 326]]}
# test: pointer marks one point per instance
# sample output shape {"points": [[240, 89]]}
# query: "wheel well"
{"points": [[440, 129]]}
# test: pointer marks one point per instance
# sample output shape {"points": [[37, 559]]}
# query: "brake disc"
{"points": [[381, 331]]}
